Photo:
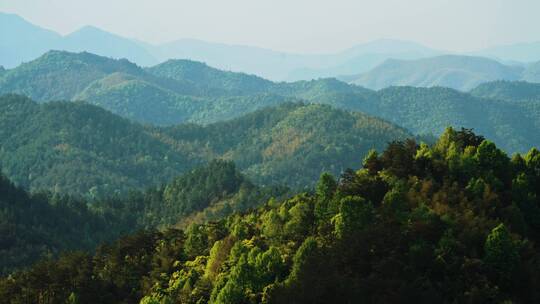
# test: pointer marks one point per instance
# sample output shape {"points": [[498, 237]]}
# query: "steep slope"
{"points": [[458, 72]]}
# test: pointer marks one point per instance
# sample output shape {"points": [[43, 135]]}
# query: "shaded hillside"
{"points": [[34, 227], [182, 91], [456, 222], [82, 149], [292, 143], [38, 226]]}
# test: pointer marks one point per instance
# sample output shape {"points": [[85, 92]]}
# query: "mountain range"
{"points": [[182, 91], [77, 148], [21, 41], [453, 71]]}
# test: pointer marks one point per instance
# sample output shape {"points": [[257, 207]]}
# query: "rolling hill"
{"points": [[181, 91], [509, 90], [455, 222], [458, 72], [77, 148]]}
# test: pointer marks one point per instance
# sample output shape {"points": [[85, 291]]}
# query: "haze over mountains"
{"points": [[181, 91], [197, 172], [21, 41]]}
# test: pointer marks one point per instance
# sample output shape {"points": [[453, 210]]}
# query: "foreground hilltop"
{"points": [[452, 222]]}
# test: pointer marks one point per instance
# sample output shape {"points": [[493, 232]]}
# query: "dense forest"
{"points": [[184, 91], [42, 225], [94, 153], [454, 222]]}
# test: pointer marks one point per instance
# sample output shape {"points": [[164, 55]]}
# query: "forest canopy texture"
{"points": [[454, 222]]}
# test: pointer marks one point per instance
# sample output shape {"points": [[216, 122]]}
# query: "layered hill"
{"points": [[38, 226], [456, 222], [80, 148], [180, 91], [22, 41], [519, 91], [73, 147], [458, 72]]}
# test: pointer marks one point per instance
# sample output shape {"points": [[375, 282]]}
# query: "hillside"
{"points": [[430, 110], [41, 226], [291, 143], [458, 72], [61, 75], [518, 91], [173, 92], [82, 149], [198, 72], [456, 222], [37, 226], [181, 91]]}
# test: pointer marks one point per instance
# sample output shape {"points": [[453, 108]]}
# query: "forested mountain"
{"points": [[198, 72], [518, 91], [292, 143], [73, 147], [80, 148], [429, 110], [458, 72], [180, 91], [36, 226], [456, 222]]}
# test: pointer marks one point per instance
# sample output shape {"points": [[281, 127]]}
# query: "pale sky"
{"points": [[306, 26]]}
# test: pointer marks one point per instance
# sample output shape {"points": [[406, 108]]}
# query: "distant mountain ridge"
{"points": [[180, 91], [21, 41], [453, 71]]}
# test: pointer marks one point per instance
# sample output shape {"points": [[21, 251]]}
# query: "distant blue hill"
{"points": [[21, 41]]}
